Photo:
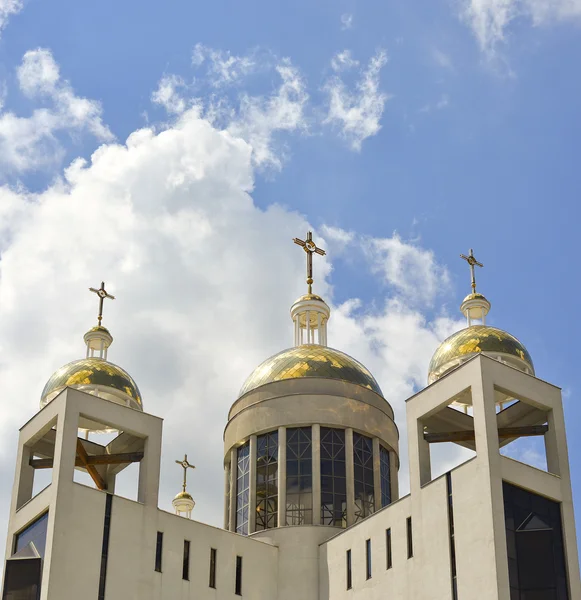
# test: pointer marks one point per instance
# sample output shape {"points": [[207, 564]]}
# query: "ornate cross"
{"points": [[310, 248], [102, 295], [185, 466], [472, 262]]}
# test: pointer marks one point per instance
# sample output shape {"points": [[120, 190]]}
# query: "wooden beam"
{"points": [[468, 435], [99, 459], [91, 469]]}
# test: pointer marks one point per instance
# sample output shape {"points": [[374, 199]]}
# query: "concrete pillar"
{"points": [[316, 458], [281, 476], [252, 475], [552, 446], [424, 461], [350, 474], [24, 476], [227, 494], [233, 489], [376, 475], [393, 476]]}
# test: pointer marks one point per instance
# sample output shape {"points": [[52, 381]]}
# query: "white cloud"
{"points": [[30, 142], [7, 9], [489, 19], [357, 112], [168, 94], [224, 68], [343, 60], [346, 21]]}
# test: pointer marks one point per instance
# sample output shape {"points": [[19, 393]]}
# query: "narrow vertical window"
{"points": [[299, 476], [243, 489], [384, 471], [410, 538], [158, 550], [388, 548], [212, 583], [238, 576], [363, 466], [186, 565], [367, 559], [267, 481], [349, 580], [333, 478]]}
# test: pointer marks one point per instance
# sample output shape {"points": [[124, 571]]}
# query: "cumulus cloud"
{"points": [[357, 112], [489, 19], [30, 142]]}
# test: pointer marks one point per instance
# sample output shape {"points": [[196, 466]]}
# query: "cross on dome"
{"points": [[310, 248], [185, 466], [472, 262], [102, 293]]}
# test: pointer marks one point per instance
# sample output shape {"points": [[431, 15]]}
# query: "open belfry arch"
{"points": [[312, 505]]}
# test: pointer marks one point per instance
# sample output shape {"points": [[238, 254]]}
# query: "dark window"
{"points": [[105, 547], [158, 551], [333, 481], [363, 469], [213, 568], [22, 579], [239, 576], [410, 537], [534, 536], [367, 559], [186, 565], [243, 489], [349, 579], [34, 534], [388, 548], [452, 537], [384, 471], [267, 481], [299, 476]]}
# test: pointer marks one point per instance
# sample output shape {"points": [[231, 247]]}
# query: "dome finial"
{"points": [[102, 293], [475, 306], [310, 248], [183, 502]]}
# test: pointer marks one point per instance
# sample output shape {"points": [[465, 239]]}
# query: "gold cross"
{"points": [[310, 248], [102, 295], [185, 466], [472, 262]]}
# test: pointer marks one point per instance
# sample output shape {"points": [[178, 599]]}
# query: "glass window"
{"points": [[243, 489], [349, 579], [238, 589], [158, 551], [384, 476], [409, 537], [367, 559], [213, 568], [388, 548], [333, 481], [267, 481], [537, 567], [186, 562], [22, 579], [363, 468], [34, 534], [299, 476]]}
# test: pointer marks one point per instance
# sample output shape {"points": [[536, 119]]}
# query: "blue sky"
{"points": [[471, 141]]}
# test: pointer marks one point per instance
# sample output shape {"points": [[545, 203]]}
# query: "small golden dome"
{"points": [[100, 328], [310, 360], [94, 376], [468, 342], [475, 296], [309, 297], [183, 495]]}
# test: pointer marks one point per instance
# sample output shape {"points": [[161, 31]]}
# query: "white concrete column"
{"points": [[227, 494], [316, 468], [350, 473], [376, 475], [552, 446], [24, 480], [393, 476], [281, 476], [319, 332], [233, 489], [252, 475]]}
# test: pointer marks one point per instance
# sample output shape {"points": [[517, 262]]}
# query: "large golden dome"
{"points": [[468, 342], [94, 376], [310, 360]]}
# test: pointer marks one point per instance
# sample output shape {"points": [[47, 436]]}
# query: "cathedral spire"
{"points": [[475, 306], [310, 313]]}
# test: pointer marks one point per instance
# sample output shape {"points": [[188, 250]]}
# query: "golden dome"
{"points": [[95, 376], [183, 495], [309, 297], [468, 342], [310, 360]]}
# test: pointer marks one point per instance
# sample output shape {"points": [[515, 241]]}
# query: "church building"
{"points": [[312, 509]]}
